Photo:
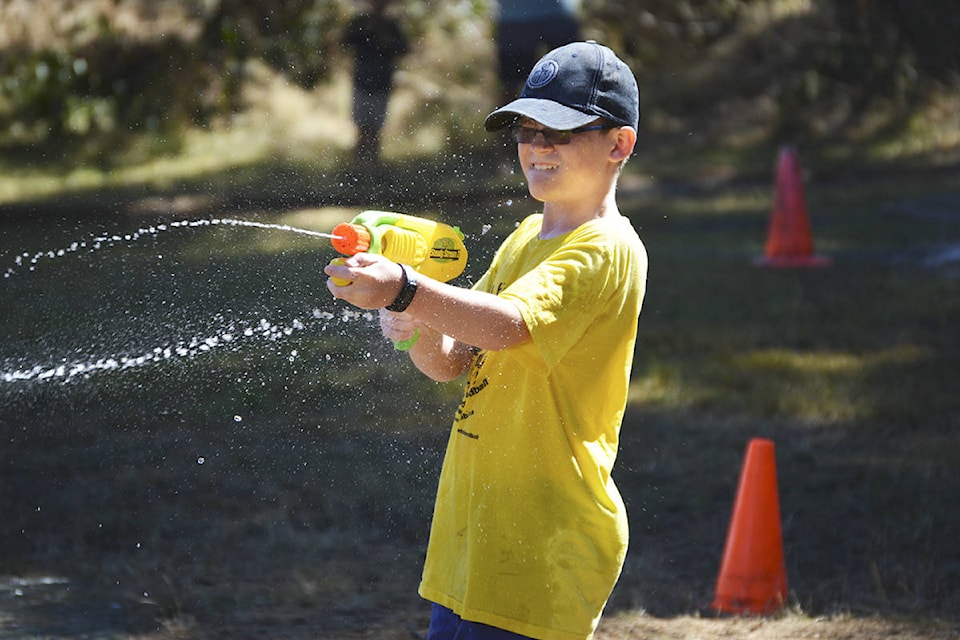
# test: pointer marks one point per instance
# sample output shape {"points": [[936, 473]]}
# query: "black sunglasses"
{"points": [[526, 135]]}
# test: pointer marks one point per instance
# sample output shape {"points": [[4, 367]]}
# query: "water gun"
{"points": [[431, 248]]}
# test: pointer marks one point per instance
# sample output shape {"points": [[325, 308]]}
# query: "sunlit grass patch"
{"points": [[816, 387], [820, 363]]}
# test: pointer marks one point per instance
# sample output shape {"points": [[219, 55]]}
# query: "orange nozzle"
{"points": [[351, 238]]}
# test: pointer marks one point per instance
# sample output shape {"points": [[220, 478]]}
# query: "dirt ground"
{"points": [[59, 611]]}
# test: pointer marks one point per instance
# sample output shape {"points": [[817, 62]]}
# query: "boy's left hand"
{"points": [[398, 327]]}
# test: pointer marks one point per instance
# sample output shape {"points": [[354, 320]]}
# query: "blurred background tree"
{"points": [[822, 67], [79, 79], [84, 76]]}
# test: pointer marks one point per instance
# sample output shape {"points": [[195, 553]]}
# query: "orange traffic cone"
{"points": [[789, 241], [753, 576]]}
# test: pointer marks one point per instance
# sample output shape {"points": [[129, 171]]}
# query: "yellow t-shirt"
{"points": [[529, 532]]}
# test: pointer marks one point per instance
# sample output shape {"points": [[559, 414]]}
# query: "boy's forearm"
{"points": [[474, 318], [440, 357]]}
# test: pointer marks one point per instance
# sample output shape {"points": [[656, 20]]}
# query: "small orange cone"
{"points": [[790, 241], [753, 576]]}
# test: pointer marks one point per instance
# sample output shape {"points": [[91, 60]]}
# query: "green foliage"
{"points": [[816, 69], [46, 95], [820, 68], [100, 84]]}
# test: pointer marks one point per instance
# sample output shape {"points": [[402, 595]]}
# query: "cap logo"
{"points": [[543, 73]]}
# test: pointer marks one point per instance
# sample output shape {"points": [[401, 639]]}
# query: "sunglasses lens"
{"points": [[526, 135], [523, 135]]}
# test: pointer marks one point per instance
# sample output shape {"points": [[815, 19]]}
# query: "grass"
{"points": [[831, 363], [286, 481]]}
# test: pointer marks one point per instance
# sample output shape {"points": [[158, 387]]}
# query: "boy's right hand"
{"points": [[370, 281]]}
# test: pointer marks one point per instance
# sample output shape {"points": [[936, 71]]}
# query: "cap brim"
{"points": [[547, 112]]}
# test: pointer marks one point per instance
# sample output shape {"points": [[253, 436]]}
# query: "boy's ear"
{"points": [[626, 140]]}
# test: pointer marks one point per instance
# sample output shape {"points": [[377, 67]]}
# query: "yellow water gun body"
{"points": [[432, 248]]}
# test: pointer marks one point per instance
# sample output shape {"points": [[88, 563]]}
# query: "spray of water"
{"points": [[232, 336], [29, 261], [228, 336]]}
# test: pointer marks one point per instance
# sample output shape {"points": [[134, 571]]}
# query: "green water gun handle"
{"points": [[405, 345]]}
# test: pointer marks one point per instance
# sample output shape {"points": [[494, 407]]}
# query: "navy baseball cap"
{"points": [[572, 86]]}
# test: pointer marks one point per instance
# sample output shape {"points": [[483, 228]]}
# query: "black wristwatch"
{"points": [[407, 290]]}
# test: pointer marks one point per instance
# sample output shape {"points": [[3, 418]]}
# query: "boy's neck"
{"points": [[559, 219]]}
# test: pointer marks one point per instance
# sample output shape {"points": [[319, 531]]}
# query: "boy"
{"points": [[529, 531]]}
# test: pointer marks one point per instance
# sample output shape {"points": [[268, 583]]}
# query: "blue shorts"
{"points": [[446, 625]]}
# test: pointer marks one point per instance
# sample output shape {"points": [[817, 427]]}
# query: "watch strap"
{"points": [[407, 290]]}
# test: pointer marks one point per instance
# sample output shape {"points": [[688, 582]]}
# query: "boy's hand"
{"points": [[374, 280], [398, 327]]}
